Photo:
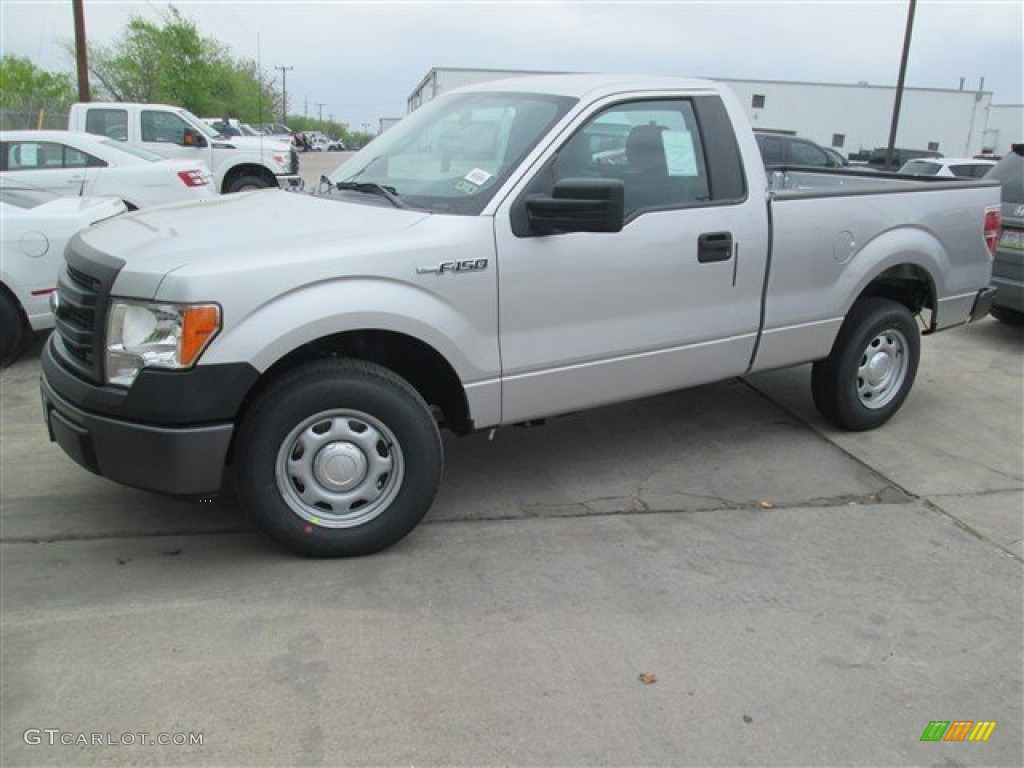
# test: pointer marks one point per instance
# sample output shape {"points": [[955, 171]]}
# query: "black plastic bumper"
{"points": [[181, 459], [983, 303]]}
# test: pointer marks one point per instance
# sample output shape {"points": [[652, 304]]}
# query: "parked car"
{"points": [[317, 343], [335, 145], [1008, 267], [837, 156], [36, 227], [318, 143], [779, 150], [231, 127], [963, 167], [70, 164], [900, 157]]}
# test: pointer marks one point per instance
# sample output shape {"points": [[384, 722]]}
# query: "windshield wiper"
{"points": [[373, 188]]}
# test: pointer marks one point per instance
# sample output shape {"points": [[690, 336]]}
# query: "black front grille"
{"points": [[294, 157], [83, 291]]}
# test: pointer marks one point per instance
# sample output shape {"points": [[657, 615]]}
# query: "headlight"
{"points": [[142, 334], [282, 160]]}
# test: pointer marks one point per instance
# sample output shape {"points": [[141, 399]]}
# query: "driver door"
{"points": [[672, 300]]}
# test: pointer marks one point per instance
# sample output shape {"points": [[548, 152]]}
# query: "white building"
{"points": [[850, 118]]}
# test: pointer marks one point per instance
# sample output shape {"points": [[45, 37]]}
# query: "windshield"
{"points": [[452, 155], [196, 123]]}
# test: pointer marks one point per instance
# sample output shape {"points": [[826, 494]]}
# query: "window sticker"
{"points": [[30, 156], [477, 177], [680, 154]]}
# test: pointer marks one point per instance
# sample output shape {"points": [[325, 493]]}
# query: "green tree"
{"points": [[28, 93], [171, 62]]}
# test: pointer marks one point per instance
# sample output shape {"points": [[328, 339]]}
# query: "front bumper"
{"points": [[182, 459], [291, 182]]}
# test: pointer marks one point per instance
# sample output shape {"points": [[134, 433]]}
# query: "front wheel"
{"points": [[871, 368], [338, 458], [246, 183]]}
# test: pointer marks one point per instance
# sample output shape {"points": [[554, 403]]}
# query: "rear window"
{"points": [[970, 170], [128, 149]]}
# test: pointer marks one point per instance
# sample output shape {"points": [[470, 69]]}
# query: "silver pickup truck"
{"points": [[509, 252]]}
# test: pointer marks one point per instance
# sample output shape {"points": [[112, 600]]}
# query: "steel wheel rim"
{"points": [[339, 468], [882, 369]]}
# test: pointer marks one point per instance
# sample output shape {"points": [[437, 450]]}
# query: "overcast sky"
{"points": [[363, 59]]}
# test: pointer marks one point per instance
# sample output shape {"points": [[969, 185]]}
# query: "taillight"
{"points": [[199, 179], [993, 225]]}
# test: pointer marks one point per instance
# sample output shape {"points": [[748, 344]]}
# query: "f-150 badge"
{"points": [[454, 267]]}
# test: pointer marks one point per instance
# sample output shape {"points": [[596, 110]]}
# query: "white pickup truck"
{"points": [[511, 251], [238, 163]]}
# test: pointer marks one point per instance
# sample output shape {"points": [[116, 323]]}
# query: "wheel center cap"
{"points": [[340, 466], [879, 367]]}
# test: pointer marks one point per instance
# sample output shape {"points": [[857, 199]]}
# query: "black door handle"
{"points": [[714, 246]]}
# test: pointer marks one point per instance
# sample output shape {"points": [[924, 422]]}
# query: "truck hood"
{"points": [[236, 232]]}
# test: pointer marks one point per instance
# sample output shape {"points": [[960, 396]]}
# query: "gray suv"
{"points": [[779, 150], [1008, 268]]}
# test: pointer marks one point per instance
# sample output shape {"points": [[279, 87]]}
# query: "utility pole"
{"points": [[81, 54], [284, 92], [321, 106], [899, 84]]}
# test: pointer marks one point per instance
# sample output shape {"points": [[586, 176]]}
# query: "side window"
{"points": [[33, 156], [808, 154], [112, 123], [75, 158], [163, 127], [772, 150], [652, 146]]}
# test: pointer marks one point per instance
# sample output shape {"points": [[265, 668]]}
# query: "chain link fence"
{"points": [[22, 118]]}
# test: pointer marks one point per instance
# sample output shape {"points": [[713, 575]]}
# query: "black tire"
{"points": [[871, 368], [245, 183], [13, 332], [1007, 315], [338, 458]]}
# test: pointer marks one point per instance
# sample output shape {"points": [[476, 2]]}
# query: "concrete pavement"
{"points": [[793, 595]]}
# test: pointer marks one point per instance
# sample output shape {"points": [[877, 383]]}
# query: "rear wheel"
{"points": [[871, 368], [338, 458]]}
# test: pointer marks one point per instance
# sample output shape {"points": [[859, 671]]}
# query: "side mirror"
{"points": [[193, 139], [578, 205]]}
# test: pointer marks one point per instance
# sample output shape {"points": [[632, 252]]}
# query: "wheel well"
{"points": [[419, 364], [246, 170], [907, 284]]}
